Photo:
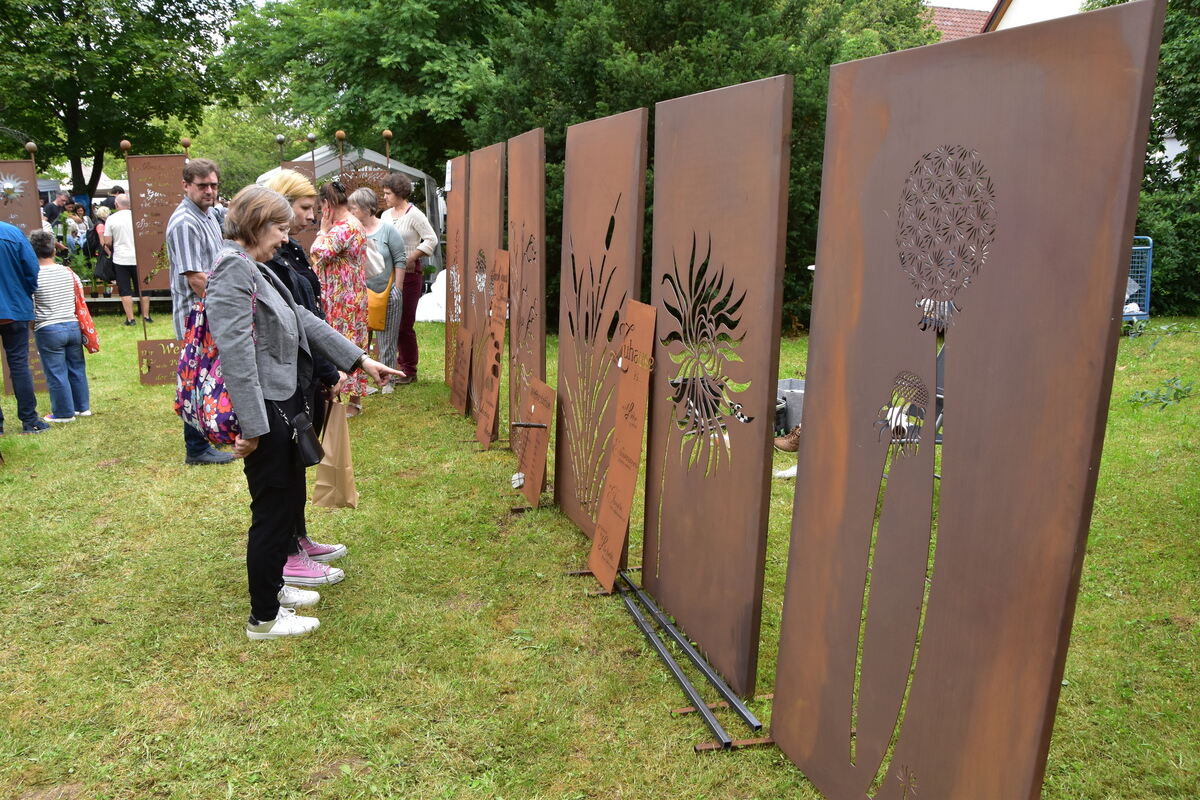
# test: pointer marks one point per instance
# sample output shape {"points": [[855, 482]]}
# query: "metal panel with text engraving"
{"points": [[155, 191]]}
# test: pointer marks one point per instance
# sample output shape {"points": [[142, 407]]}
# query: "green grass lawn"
{"points": [[457, 660]]}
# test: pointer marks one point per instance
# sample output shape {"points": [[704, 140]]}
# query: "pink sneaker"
{"points": [[322, 552], [303, 571]]}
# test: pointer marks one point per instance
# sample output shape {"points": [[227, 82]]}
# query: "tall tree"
{"points": [[79, 77], [366, 66], [241, 139]]}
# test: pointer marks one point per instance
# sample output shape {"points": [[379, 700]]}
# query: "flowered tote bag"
{"points": [[201, 398]]}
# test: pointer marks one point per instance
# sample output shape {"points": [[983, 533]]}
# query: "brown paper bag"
{"points": [[335, 473]]}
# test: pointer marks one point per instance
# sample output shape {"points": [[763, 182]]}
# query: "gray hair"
{"points": [[43, 243], [122, 202], [365, 200]]}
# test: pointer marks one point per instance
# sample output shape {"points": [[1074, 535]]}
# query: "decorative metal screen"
{"points": [[19, 201], [527, 273], [155, 191], [485, 235], [603, 204], [981, 191], [719, 218], [491, 359], [456, 244]]}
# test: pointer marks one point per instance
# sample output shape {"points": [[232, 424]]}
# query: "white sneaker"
{"points": [[291, 597], [287, 623], [388, 388], [372, 389], [87, 413]]}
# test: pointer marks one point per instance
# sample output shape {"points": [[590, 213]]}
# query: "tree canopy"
{"points": [[78, 77]]}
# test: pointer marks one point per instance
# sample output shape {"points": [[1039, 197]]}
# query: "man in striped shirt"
{"points": [[193, 240]]}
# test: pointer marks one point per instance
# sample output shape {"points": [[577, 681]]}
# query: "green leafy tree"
{"points": [[241, 139], [79, 77], [583, 59], [364, 67]]}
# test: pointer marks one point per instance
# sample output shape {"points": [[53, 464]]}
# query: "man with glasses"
{"points": [[193, 240]]}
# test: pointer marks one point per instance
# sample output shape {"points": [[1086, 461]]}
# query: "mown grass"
{"points": [[457, 660]]}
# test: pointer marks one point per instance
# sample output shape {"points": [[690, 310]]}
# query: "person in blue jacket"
{"points": [[18, 282]]}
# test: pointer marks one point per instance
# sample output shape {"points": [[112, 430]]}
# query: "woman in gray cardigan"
{"points": [[266, 344]]}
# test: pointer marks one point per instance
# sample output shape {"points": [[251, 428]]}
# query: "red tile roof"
{"points": [[955, 23]]}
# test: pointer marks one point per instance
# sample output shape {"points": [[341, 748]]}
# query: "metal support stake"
{"points": [[724, 738], [716, 680]]}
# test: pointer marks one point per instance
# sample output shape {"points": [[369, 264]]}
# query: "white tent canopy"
{"points": [[102, 186]]}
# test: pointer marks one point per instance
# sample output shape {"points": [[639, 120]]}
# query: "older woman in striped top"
{"points": [[56, 331]]}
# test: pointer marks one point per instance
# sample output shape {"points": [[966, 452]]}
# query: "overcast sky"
{"points": [[978, 5]]}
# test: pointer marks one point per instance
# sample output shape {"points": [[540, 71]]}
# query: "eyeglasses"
{"points": [[203, 186]]}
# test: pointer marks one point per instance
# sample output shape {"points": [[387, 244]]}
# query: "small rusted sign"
{"points": [[538, 411], [158, 361], [19, 196], [925, 622], [155, 191], [527, 281], [635, 363], [603, 206], [487, 414], [718, 274], [461, 378], [485, 235], [456, 248], [35, 368], [305, 167]]}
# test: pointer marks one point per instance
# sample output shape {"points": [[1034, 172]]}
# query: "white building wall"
{"points": [[1023, 12]]}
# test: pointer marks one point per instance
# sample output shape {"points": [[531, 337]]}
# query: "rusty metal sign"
{"points": [[635, 363], [717, 285], [923, 643], [308, 169], [485, 235], [19, 200], [538, 411], [158, 361], [461, 378], [35, 368], [456, 242], [603, 205], [527, 281], [490, 359], [155, 191]]}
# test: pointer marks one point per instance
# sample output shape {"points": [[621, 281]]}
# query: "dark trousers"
{"points": [[275, 478], [16, 350], [194, 441], [406, 341]]}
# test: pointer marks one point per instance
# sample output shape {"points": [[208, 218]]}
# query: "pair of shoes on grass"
{"points": [[306, 568], [310, 566], [287, 622]]}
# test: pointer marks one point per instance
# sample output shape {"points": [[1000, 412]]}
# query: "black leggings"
{"points": [[275, 478]]}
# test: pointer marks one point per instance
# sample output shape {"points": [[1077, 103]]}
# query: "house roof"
{"points": [[957, 23]]}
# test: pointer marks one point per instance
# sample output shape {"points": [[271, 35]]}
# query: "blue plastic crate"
{"points": [[1140, 266]]}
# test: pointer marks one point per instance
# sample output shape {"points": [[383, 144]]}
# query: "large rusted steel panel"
{"points": [[984, 189], [604, 190], [487, 413], [155, 191], [19, 203], [719, 220], [456, 248], [485, 235], [527, 273]]}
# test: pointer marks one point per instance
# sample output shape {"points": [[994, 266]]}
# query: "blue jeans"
{"points": [[194, 442], [61, 347], [16, 350]]}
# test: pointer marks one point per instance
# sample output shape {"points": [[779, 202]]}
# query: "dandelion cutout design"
{"points": [[12, 188], [946, 226], [904, 414]]}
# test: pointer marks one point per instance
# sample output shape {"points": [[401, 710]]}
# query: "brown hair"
{"points": [[199, 168], [398, 184], [334, 193], [252, 210], [291, 184]]}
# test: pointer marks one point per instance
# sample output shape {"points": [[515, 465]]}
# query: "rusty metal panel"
{"points": [[719, 219], [635, 363], [487, 412], [308, 169], [35, 367], [538, 410], [461, 377], [155, 191], [604, 195], [527, 279], [485, 235], [983, 189], [19, 201], [456, 243], [158, 361]]}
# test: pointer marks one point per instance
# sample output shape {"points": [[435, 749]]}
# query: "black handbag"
{"points": [[307, 443]]}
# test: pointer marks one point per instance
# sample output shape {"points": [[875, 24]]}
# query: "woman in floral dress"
{"points": [[339, 257]]}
